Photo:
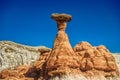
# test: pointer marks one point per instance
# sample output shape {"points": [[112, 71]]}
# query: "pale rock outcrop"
{"points": [[13, 54], [117, 58]]}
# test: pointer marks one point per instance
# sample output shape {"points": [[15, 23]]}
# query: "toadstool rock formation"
{"points": [[62, 59]]}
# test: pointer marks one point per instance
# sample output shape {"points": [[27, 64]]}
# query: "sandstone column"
{"points": [[62, 58]]}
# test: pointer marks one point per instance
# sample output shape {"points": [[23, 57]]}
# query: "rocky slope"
{"points": [[13, 54], [34, 71]]}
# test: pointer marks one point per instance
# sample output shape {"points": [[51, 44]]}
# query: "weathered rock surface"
{"points": [[34, 72], [18, 72], [26, 72], [96, 60], [13, 54]]}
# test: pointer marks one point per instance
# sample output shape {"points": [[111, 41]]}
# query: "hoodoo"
{"points": [[62, 59]]}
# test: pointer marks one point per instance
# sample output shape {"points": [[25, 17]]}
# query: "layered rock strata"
{"points": [[13, 55]]}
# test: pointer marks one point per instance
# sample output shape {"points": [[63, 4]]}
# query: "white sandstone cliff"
{"points": [[13, 54]]}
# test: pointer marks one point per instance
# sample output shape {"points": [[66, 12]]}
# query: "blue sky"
{"points": [[28, 21]]}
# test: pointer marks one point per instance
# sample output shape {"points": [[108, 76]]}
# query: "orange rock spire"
{"points": [[62, 57]]}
